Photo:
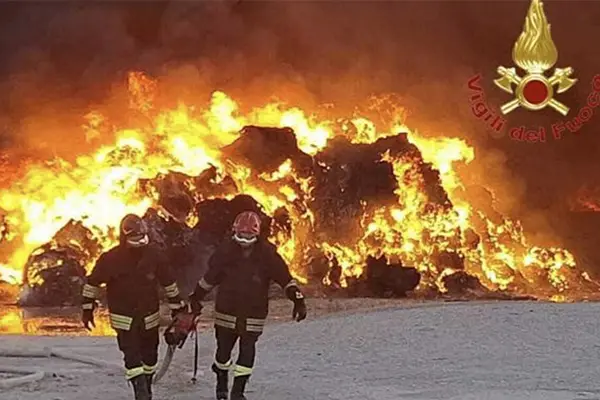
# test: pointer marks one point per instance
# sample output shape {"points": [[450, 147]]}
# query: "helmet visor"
{"points": [[244, 238], [137, 240]]}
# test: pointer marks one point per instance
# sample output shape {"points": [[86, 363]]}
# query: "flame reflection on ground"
{"points": [[51, 322]]}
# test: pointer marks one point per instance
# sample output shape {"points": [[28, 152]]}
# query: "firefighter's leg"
{"points": [[129, 344], [149, 350], [226, 339], [244, 364]]}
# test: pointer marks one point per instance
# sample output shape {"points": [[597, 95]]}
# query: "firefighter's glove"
{"points": [[294, 294], [183, 307], [87, 318], [299, 312], [195, 306]]}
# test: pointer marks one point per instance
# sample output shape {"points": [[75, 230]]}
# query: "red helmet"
{"points": [[246, 228]]}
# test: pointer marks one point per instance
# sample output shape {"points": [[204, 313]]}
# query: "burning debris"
{"points": [[54, 277], [350, 207]]}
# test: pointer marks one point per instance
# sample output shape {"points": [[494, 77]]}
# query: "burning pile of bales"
{"points": [[346, 175], [355, 211]]}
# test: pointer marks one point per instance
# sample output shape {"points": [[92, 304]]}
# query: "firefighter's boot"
{"points": [[140, 387], [238, 388], [222, 382]]}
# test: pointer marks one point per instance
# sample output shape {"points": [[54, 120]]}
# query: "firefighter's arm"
{"points": [[280, 273], [166, 278], [213, 276], [91, 290]]}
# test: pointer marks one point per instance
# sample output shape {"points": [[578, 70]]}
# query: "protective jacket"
{"points": [[132, 276], [242, 301]]}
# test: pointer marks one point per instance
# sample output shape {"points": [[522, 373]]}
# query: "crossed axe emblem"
{"points": [[509, 77]]}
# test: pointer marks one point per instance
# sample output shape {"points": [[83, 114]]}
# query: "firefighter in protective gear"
{"points": [[243, 267], [132, 272]]}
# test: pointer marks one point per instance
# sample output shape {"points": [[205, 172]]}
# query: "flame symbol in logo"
{"points": [[535, 53], [534, 50]]}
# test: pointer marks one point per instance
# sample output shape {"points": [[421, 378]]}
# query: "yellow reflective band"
{"points": [[255, 325], [152, 320], [255, 329], [225, 317], [89, 291], [152, 317], [255, 321], [205, 285], [87, 306], [240, 370], [152, 325], [133, 372], [149, 369], [121, 322], [172, 290], [223, 367], [225, 324]]}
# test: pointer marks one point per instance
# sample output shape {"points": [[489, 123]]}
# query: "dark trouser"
{"points": [[226, 340], [140, 349]]}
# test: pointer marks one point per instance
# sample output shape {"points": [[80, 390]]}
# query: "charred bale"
{"points": [[399, 146], [74, 235], [348, 175], [460, 282], [317, 265], [433, 185], [213, 218], [390, 280], [173, 194], [449, 259], [53, 277], [181, 245], [361, 172], [55, 272], [157, 228], [396, 146], [264, 149], [206, 185]]}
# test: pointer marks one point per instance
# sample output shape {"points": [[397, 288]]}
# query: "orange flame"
{"points": [[100, 188]]}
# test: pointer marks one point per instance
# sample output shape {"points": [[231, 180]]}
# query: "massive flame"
{"points": [[99, 188]]}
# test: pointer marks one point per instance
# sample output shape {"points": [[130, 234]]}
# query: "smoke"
{"points": [[63, 59]]}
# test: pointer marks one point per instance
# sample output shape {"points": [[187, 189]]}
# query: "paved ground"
{"points": [[447, 351]]}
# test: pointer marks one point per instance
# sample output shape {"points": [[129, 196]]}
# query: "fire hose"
{"points": [[28, 375]]}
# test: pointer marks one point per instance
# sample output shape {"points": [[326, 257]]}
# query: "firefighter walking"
{"points": [[243, 267], [132, 272]]}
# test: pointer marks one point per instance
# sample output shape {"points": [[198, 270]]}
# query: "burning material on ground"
{"points": [[352, 207]]}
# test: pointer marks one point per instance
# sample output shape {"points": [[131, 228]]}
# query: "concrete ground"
{"points": [[433, 351]]}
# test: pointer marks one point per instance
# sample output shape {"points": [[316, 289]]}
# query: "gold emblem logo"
{"points": [[535, 53]]}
